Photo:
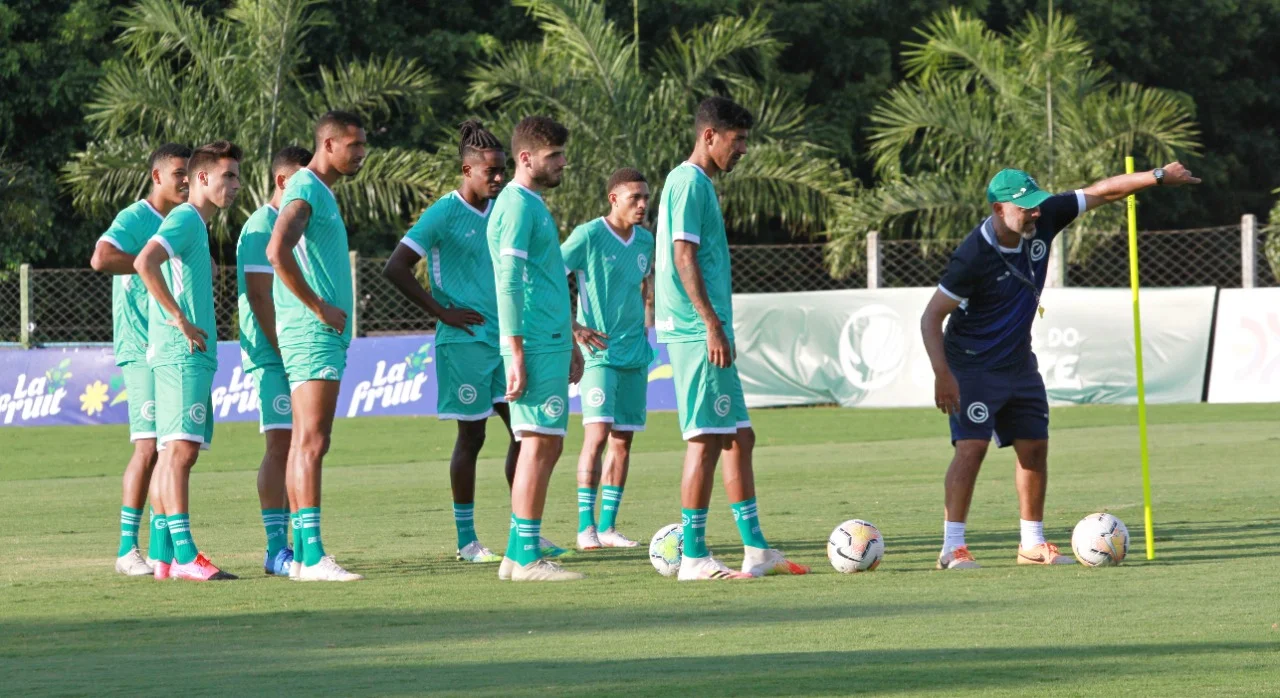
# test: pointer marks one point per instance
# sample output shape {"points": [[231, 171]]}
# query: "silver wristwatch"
{"points": [[1159, 174]]}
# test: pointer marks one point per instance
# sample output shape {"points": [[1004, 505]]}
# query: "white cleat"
{"points": [[612, 539], [295, 568], [957, 559], [588, 540], [132, 564], [474, 552], [697, 569], [758, 562], [327, 570], [504, 570], [543, 570]]}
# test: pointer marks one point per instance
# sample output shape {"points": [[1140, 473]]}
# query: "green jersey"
{"points": [[451, 236], [129, 233], [251, 258], [533, 292], [690, 211], [610, 271], [322, 255], [189, 274]]}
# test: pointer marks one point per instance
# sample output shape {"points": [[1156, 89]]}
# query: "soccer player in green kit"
{"points": [[536, 334], [472, 384], [177, 269], [694, 317], [260, 358], [612, 257], [313, 299], [114, 254]]}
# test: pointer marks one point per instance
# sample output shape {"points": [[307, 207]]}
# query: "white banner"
{"points": [[863, 347], [1246, 346]]}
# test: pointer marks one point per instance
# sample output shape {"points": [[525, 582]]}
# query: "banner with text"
{"points": [[863, 347], [385, 376], [1246, 346]]}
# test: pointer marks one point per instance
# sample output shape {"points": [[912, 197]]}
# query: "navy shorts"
{"points": [[1009, 403]]}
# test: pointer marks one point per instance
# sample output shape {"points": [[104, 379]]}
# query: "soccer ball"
{"points": [[1100, 540], [666, 549], [855, 546]]}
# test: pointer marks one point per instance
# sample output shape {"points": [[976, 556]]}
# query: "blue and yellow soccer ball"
{"points": [[855, 546], [1100, 540], [666, 549]]}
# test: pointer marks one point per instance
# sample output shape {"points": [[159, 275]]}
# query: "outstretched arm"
{"points": [[1118, 187]]}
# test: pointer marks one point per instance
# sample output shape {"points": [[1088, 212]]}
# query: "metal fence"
{"points": [[74, 305]]}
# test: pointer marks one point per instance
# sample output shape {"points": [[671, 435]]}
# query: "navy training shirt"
{"points": [[992, 327]]}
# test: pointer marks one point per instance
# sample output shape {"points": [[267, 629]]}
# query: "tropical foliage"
{"points": [[977, 101], [625, 108]]}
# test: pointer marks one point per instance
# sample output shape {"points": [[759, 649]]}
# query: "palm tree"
{"points": [[243, 76], [975, 102], [625, 111]]}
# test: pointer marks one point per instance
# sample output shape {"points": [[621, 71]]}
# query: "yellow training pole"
{"points": [[1137, 357]]}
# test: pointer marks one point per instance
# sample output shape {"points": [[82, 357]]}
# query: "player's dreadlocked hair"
{"points": [[475, 139]]}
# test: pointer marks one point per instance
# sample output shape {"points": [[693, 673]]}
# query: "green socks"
{"points": [[586, 508], [744, 514], [184, 547], [295, 526], [522, 545], [695, 532], [130, 520], [313, 549], [464, 518], [274, 521], [160, 547], [610, 500]]}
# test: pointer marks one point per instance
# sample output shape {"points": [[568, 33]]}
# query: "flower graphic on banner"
{"points": [[418, 360], [93, 398]]}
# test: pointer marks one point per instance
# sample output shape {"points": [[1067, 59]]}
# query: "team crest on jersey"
{"points": [[554, 406], [595, 397], [197, 413], [978, 412], [467, 394], [722, 405], [643, 262], [1038, 250]]}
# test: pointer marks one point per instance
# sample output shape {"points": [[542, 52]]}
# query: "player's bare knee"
{"points": [[313, 445], [471, 436], [970, 453], [745, 439], [1032, 455]]}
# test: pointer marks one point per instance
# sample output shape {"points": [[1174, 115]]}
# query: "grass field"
{"points": [[1200, 620]]}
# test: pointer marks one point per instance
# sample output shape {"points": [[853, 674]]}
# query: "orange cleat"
{"points": [[1043, 554]]}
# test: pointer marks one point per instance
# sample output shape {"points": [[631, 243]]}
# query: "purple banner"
{"points": [[385, 376]]}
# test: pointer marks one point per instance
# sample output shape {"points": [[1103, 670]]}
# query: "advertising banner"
{"points": [[1246, 346], [863, 347], [385, 376]]}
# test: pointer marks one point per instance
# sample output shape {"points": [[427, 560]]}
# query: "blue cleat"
{"points": [[279, 565]]}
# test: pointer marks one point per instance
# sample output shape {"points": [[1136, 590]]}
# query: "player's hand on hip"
{"points": [[576, 365], [594, 341], [461, 318], [195, 336], [1176, 174], [333, 316], [516, 379], [718, 350], [946, 392]]}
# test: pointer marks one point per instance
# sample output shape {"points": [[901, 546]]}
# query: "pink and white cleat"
{"points": [[160, 569], [697, 569], [199, 570]]}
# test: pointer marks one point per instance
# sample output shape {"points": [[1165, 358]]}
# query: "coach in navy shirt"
{"points": [[986, 376]]}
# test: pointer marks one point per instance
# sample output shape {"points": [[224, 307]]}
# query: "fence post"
{"points": [[24, 300], [873, 259], [355, 294], [1248, 250], [1056, 275]]}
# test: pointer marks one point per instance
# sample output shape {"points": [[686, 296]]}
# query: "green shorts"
{"points": [[470, 380], [709, 399], [275, 408], [184, 404], [544, 407], [140, 386], [322, 358], [615, 396]]}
